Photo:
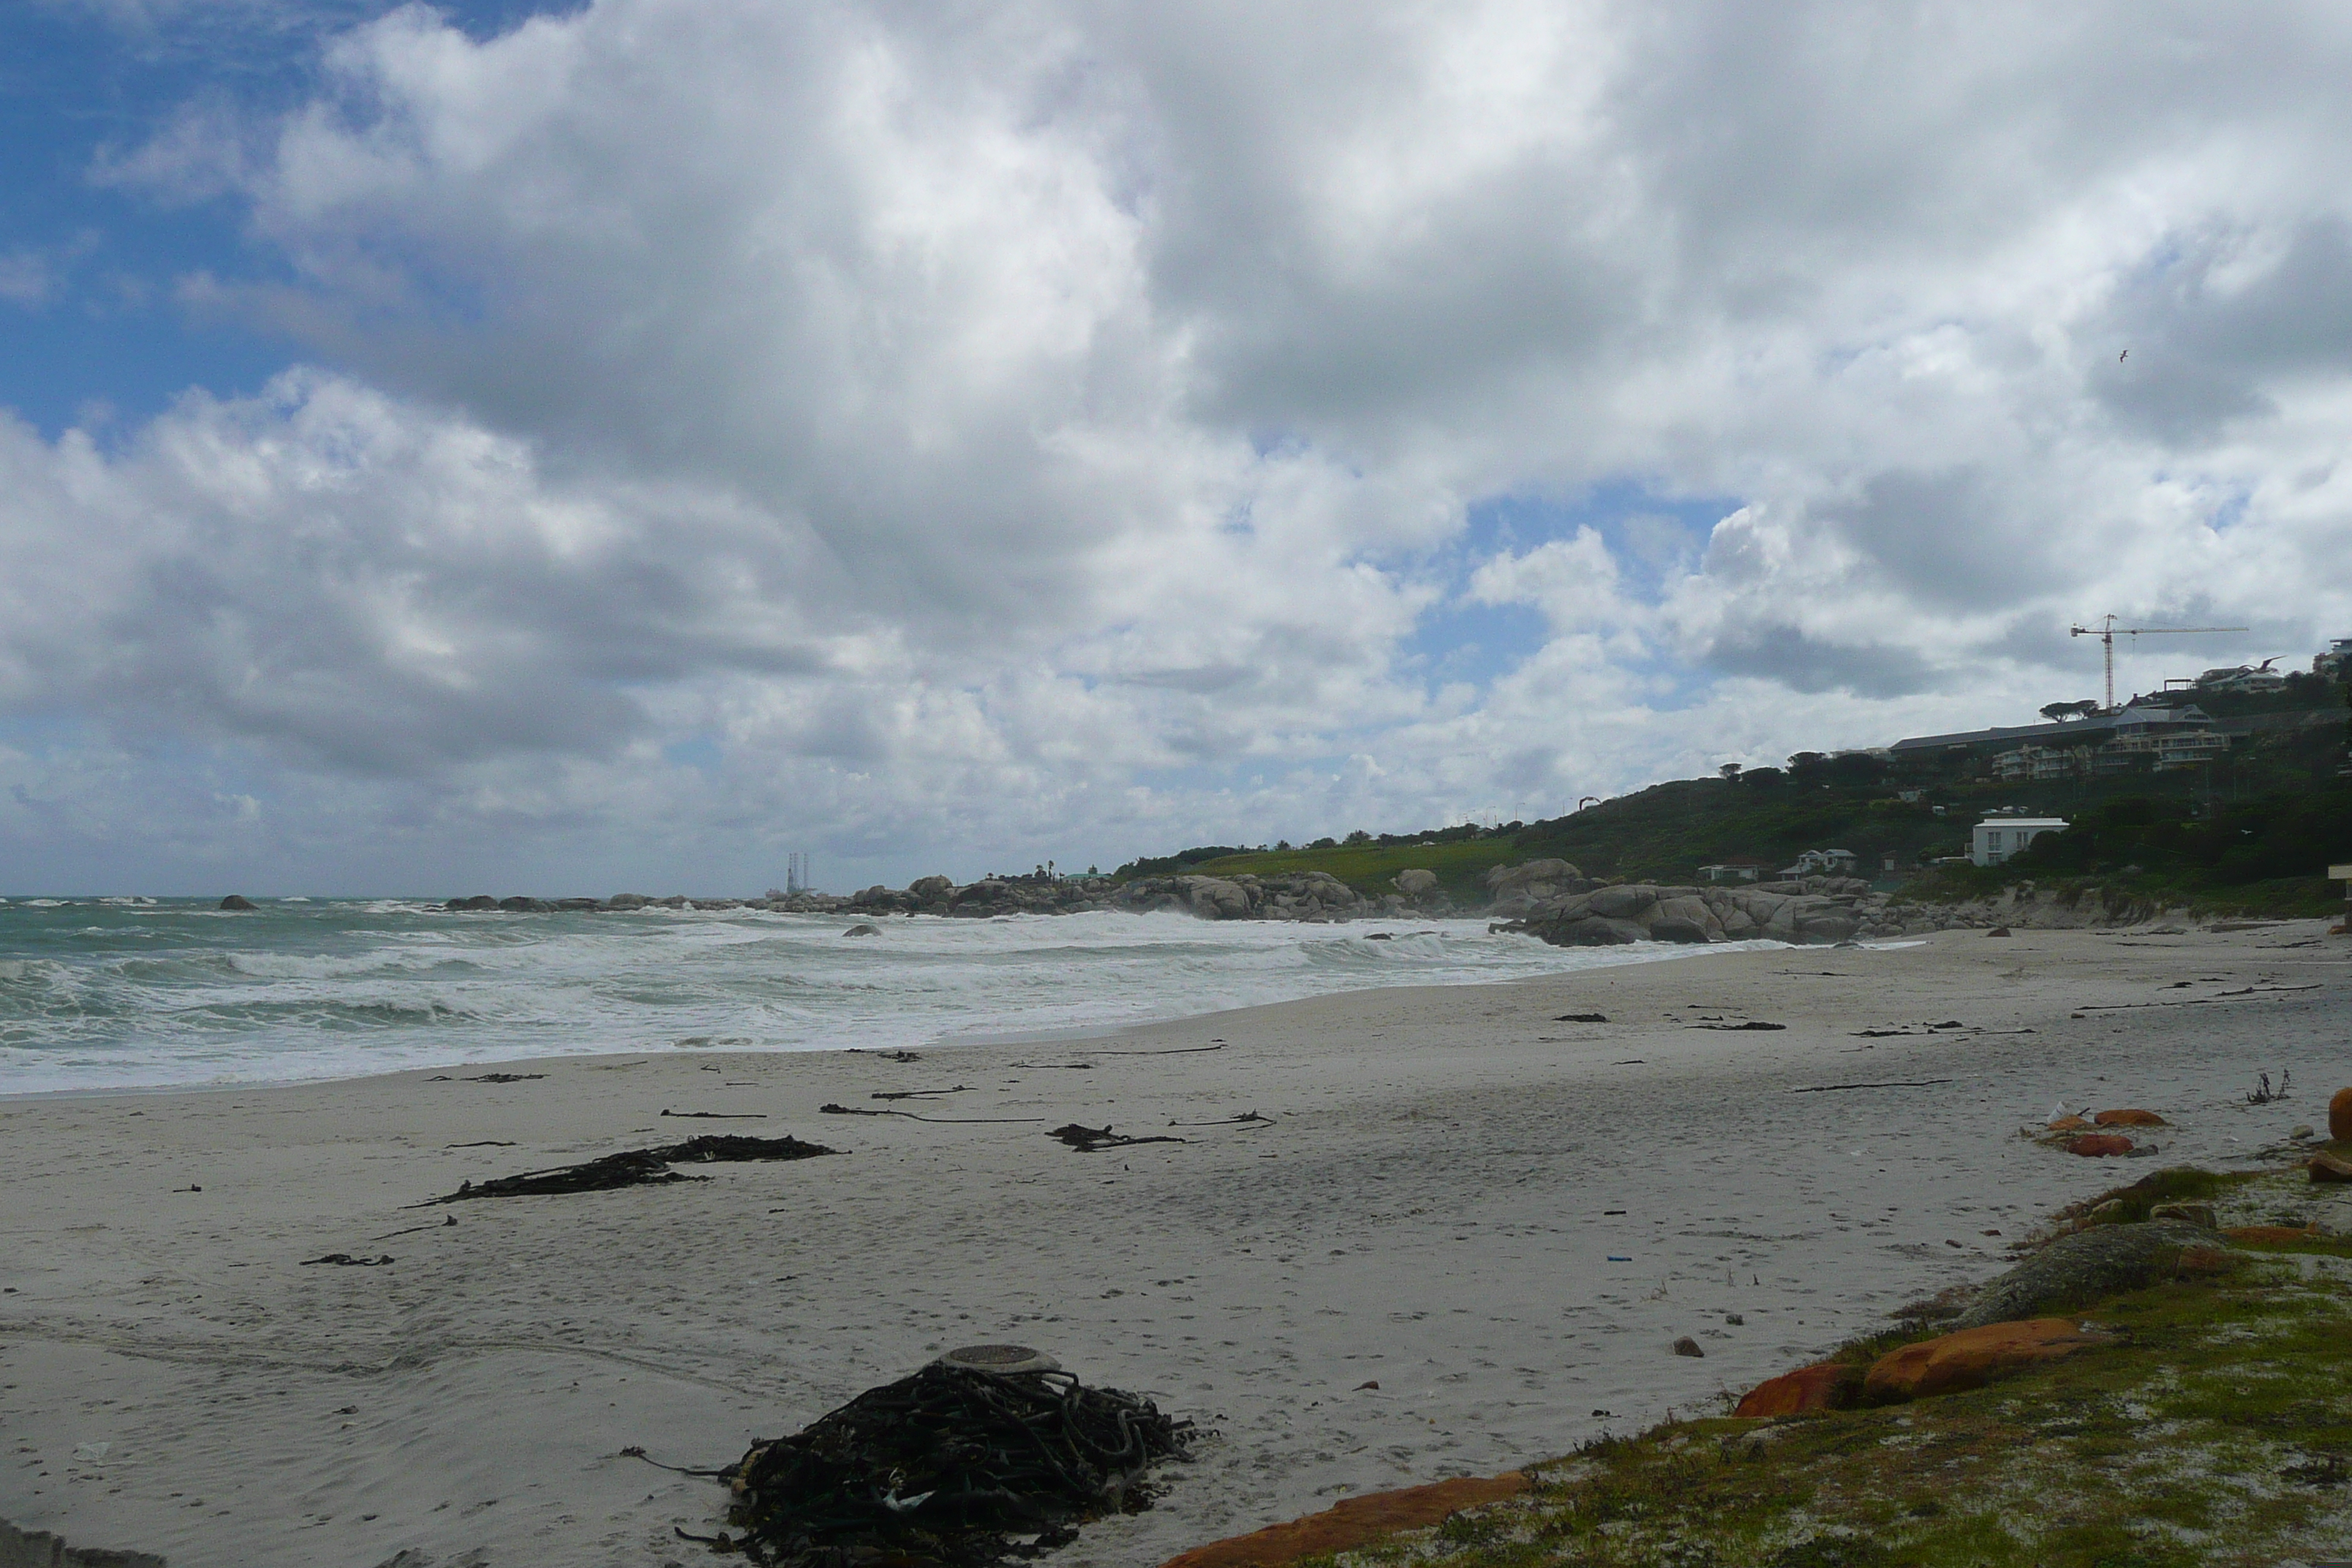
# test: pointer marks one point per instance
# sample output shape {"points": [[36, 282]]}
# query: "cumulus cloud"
{"points": [[1057, 423]]}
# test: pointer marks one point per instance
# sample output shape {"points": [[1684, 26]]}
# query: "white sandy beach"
{"points": [[1435, 1208]]}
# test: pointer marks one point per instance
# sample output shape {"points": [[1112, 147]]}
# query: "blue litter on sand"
{"points": [[1614, 1259]]}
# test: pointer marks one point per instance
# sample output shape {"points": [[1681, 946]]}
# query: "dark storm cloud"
{"points": [[1786, 655], [1953, 539]]}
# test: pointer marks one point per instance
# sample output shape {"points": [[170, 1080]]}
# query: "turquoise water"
{"points": [[113, 993]]}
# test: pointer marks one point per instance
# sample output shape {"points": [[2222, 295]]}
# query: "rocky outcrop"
{"points": [[1821, 909], [1516, 891], [1301, 896], [1970, 1358], [237, 903], [2105, 1260], [1824, 1385], [2027, 906]]}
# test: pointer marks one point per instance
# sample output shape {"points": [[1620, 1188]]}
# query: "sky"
{"points": [[614, 445]]}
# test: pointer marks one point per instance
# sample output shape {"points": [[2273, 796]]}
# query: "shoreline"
{"points": [[1429, 1208], [1075, 1035], [652, 1030]]}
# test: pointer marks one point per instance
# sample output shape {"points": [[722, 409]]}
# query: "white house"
{"points": [[1822, 863], [1997, 839]]}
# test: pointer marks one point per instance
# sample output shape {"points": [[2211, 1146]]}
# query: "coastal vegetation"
{"points": [[2253, 832], [2211, 1425]]}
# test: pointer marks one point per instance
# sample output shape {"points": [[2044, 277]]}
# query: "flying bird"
{"points": [[2123, 356]]}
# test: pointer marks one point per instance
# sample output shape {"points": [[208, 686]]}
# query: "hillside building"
{"points": [[1824, 863], [1995, 838]]}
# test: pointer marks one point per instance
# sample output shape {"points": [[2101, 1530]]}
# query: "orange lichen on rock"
{"points": [[2339, 1116], [1352, 1523], [2070, 1124], [1824, 1385], [2266, 1234], [2129, 1118], [1971, 1358], [2095, 1145], [2330, 1168], [2198, 1262]]}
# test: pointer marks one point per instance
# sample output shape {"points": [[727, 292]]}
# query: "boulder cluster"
{"points": [[1551, 899], [1547, 899], [1306, 896]]}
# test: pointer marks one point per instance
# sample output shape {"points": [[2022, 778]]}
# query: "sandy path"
{"points": [[1430, 1210]]}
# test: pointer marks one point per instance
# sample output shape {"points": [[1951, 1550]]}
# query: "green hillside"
{"points": [[2256, 829]]}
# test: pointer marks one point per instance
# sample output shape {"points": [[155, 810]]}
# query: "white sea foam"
{"points": [[98, 995]]}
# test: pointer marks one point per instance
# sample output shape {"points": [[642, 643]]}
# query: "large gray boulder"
{"points": [[1629, 902], [2104, 1260], [1519, 891], [1416, 883], [1827, 926], [1215, 899], [1594, 930], [1690, 910]]}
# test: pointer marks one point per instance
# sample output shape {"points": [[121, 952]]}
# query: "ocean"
{"points": [[122, 993]]}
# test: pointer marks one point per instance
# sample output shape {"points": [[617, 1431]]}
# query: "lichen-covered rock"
{"points": [[1824, 1385], [1970, 1358], [1357, 1521], [2339, 1116], [2104, 1260], [2129, 1118], [2330, 1168], [2098, 1145]]}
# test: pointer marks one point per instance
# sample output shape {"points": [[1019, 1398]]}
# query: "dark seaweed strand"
{"points": [[637, 1167]]}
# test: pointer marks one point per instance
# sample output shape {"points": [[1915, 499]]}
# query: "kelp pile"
{"points": [[638, 1167], [949, 1466]]}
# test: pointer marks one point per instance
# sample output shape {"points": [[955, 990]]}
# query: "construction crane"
{"points": [[2107, 636]]}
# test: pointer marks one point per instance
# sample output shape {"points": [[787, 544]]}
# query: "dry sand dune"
{"points": [[1501, 1219]]}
